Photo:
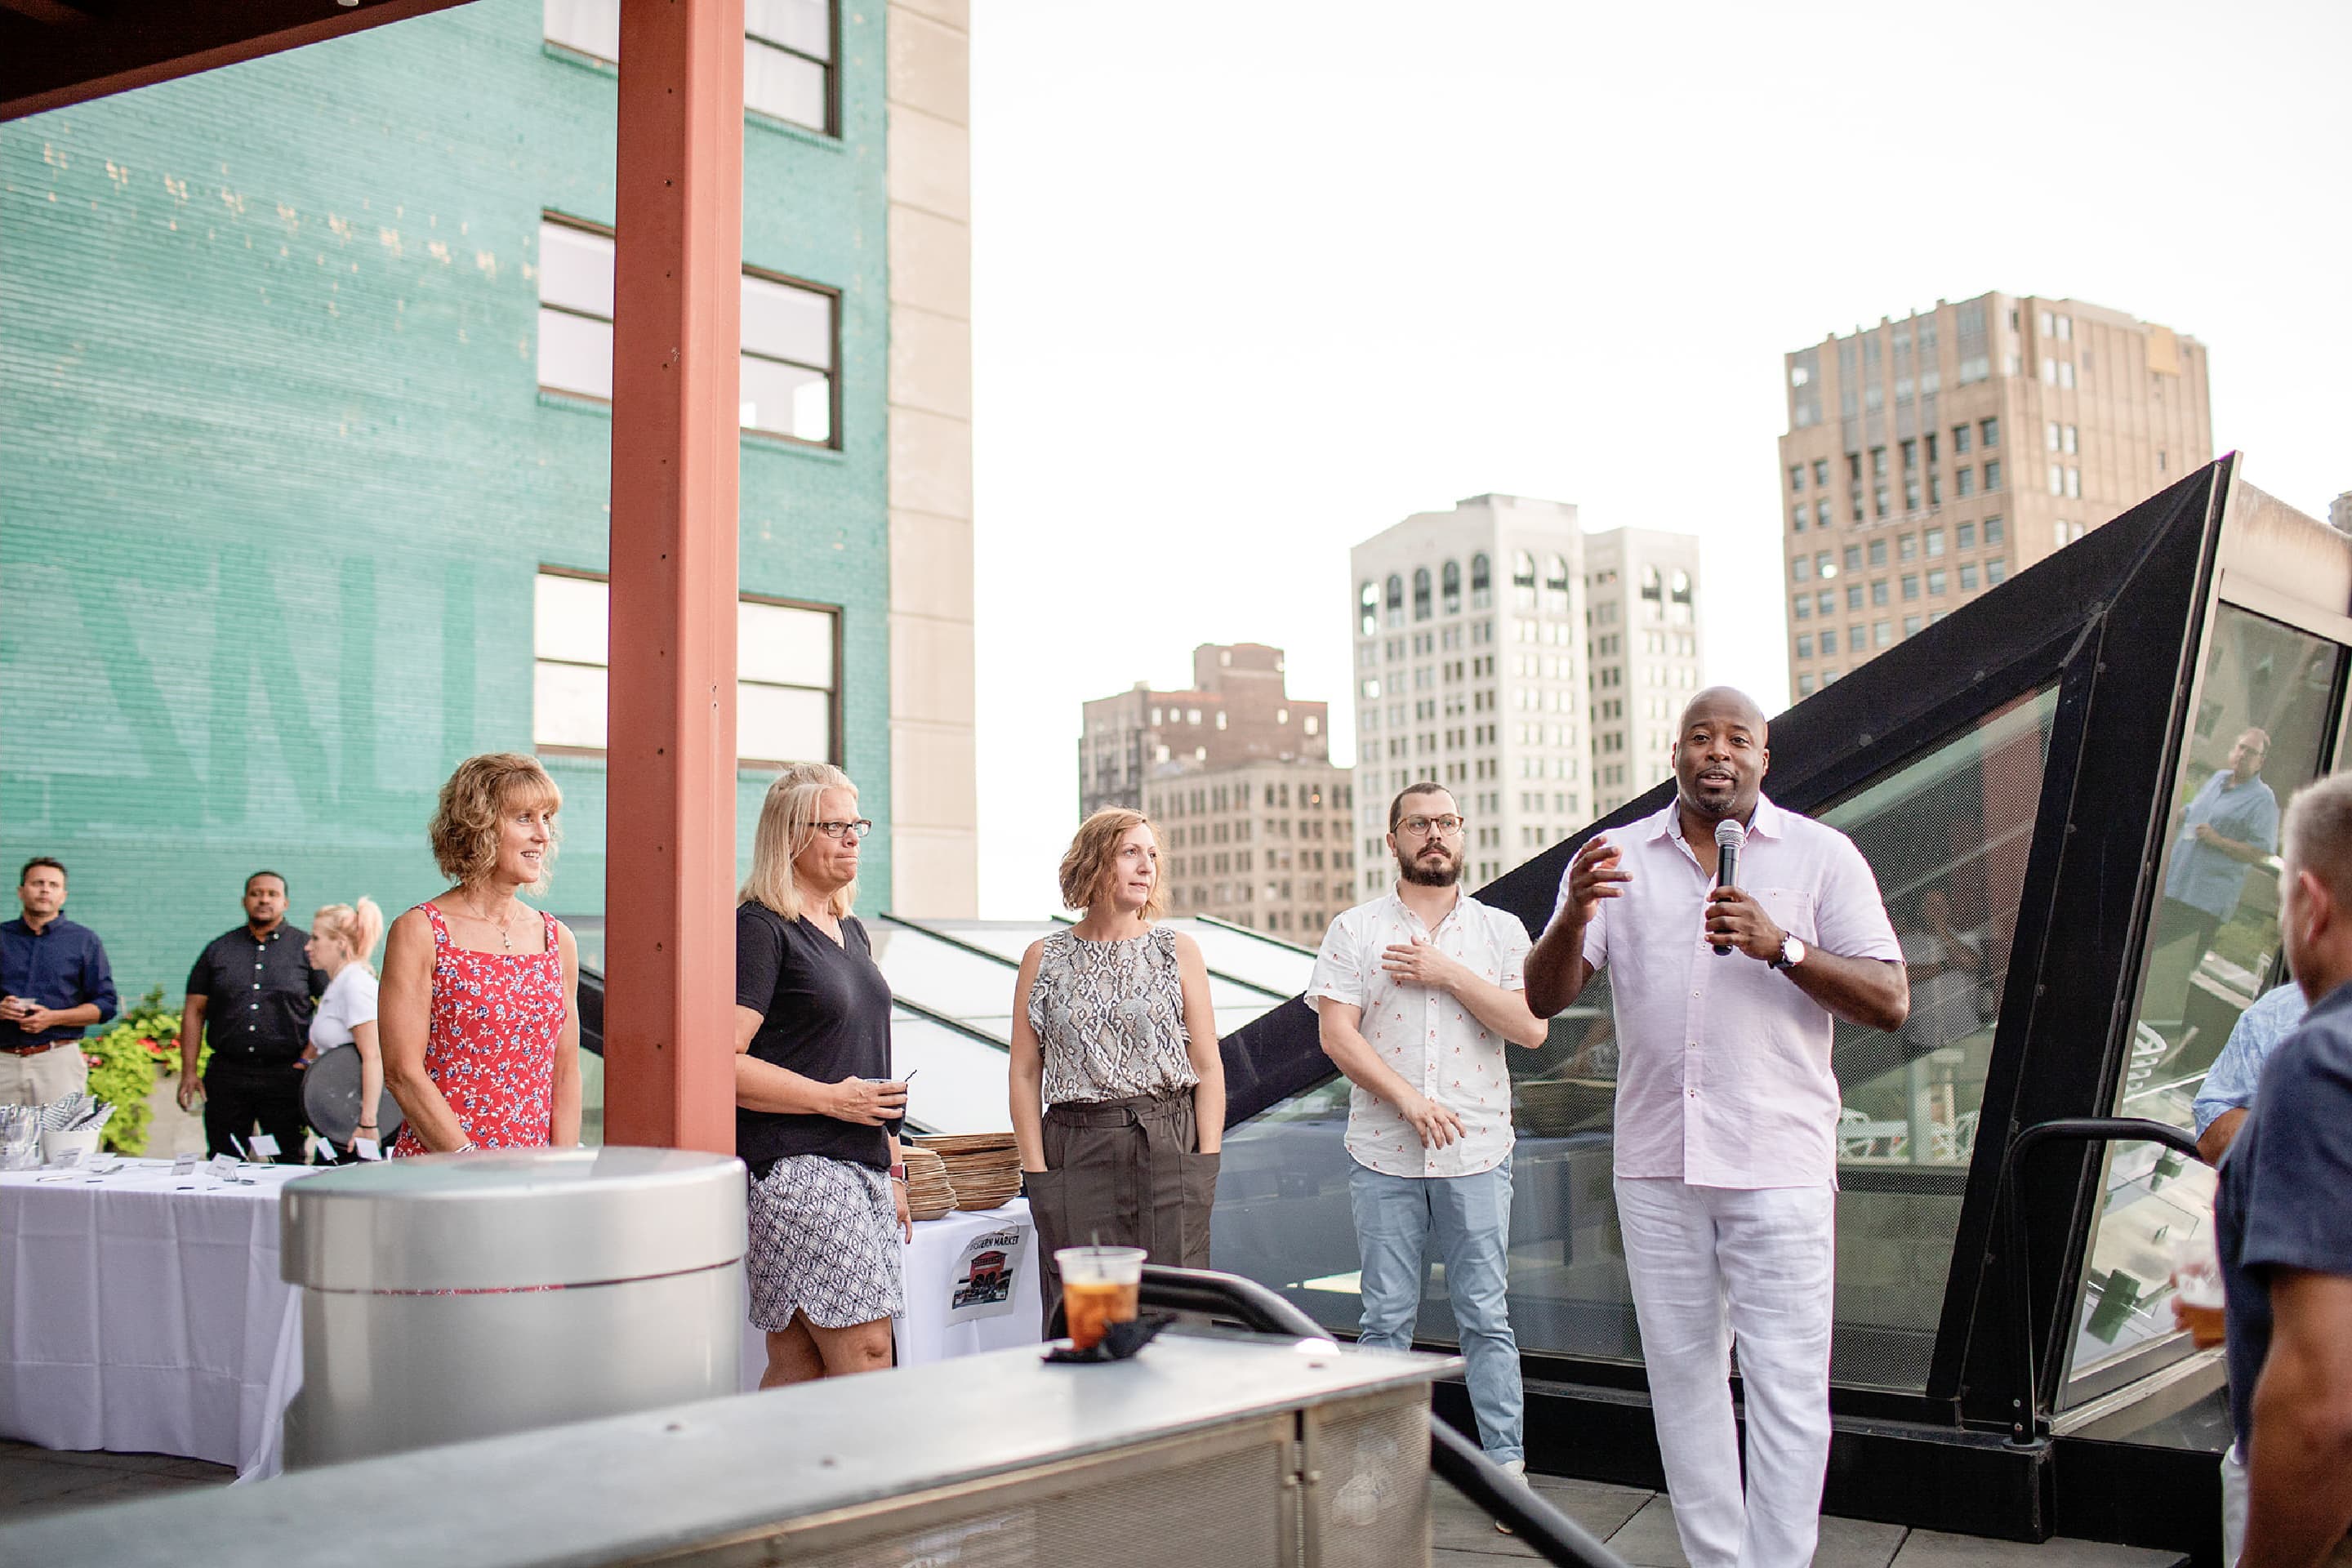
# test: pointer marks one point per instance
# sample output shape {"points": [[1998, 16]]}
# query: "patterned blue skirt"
{"points": [[825, 1244]]}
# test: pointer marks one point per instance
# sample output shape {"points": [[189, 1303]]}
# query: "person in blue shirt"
{"points": [[2229, 1087], [55, 983], [2231, 825], [2282, 1218]]}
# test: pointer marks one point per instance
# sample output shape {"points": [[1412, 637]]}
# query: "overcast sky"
{"points": [[1252, 282]]}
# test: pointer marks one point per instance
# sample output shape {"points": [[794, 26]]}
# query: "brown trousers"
{"points": [[1122, 1172]]}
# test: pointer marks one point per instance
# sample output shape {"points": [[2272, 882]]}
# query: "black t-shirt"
{"points": [[258, 996], [827, 1016]]}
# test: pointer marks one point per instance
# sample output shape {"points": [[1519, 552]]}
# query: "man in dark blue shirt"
{"points": [[54, 982], [2283, 1220]]}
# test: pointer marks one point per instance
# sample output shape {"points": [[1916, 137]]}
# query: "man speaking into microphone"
{"points": [[1726, 1113]]}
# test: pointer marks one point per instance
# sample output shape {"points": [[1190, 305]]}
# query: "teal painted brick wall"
{"points": [[276, 475]]}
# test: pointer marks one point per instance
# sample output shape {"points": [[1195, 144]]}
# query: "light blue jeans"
{"points": [[1471, 1218]]}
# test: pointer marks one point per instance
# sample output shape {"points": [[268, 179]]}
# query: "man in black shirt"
{"points": [[254, 988]]}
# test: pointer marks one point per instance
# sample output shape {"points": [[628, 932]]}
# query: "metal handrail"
{"points": [[1453, 1457], [2026, 1415]]}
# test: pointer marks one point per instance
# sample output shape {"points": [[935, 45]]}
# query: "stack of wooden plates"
{"points": [[983, 1167], [929, 1194]]}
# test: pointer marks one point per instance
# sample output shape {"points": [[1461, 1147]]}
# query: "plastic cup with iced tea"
{"points": [[2196, 1288], [1099, 1286]]}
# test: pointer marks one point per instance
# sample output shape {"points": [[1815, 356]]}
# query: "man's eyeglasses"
{"points": [[1423, 827], [858, 829]]}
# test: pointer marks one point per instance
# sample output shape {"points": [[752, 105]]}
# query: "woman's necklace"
{"points": [[506, 941]]}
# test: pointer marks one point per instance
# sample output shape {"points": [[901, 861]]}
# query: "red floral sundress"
{"points": [[489, 1045]]}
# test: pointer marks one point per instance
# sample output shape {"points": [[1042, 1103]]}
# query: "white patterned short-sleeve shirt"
{"points": [[1427, 1036]]}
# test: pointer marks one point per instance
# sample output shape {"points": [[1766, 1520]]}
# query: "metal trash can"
{"points": [[460, 1295]]}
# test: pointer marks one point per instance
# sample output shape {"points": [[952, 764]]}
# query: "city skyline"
{"points": [[1248, 340]]}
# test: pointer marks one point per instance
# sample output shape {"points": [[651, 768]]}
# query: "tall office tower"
{"points": [[1641, 588], [1470, 671], [2339, 513], [1237, 711], [1265, 844], [1927, 457]]}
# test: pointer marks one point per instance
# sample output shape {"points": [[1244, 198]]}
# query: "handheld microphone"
{"points": [[1729, 838]]}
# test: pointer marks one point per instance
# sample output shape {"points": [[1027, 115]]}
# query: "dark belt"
{"points": [[1131, 1111], [35, 1050]]}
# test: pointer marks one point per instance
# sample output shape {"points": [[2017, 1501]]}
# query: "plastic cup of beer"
{"points": [[1100, 1286], [2197, 1289]]}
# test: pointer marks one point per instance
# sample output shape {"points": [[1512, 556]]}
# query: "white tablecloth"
{"points": [[144, 1313], [935, 1273]]}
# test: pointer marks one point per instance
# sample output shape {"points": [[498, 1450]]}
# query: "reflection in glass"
{"points": [[1947, 834], [2260, 734]]}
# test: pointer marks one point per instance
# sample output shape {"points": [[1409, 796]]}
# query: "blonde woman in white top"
{"points": [[342, 946]]}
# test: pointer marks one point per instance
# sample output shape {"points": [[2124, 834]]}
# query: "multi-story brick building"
{"points": [[1927, 457], [304, 455], [1238, 710], [1265, 844]]}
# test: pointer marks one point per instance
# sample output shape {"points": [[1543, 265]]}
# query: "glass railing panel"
{"points": [[2263, 717]]}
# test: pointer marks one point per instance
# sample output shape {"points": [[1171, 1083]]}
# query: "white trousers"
{"points": [[1714, 1265]]}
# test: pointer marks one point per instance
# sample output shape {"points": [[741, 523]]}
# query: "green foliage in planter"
{"points": [[142, 1046]]}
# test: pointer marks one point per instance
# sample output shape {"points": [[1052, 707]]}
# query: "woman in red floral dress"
{"points": [[479, 1011]]}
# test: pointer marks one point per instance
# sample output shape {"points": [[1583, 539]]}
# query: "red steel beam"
{"points": [[669, 876]]}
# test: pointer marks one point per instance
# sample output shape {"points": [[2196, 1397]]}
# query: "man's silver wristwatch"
{"points": [[1791, 954]]}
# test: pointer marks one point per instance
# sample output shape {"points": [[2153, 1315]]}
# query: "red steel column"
{"points": [[670, 821]]}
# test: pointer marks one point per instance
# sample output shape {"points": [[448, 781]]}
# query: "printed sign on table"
{"points": [[980, 1283]]}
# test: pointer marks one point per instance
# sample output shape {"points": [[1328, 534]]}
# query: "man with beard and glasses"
{"points": [[1416, 992], [1726, 1115]]}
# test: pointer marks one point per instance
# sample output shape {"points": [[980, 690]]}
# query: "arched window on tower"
{"points": [[1482, 587], [1556, 585], [1421, 593], [1452, 579], [1396, 600], [1368, 609], [1523, 580]]}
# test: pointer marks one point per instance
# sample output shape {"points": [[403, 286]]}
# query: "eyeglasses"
{"points": [[858, 829], [1423, 827]]}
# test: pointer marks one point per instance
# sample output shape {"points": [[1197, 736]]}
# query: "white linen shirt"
{"points": [[1723, 1065], [1427, 1036]]}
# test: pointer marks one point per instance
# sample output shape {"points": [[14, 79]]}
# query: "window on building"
{"points": [[1820, 472], [1481, 589], [1964, 536], [788, 62], [1825, 602], [1934, 539], [1992, 530], [1854, 467], [2057, 479], [1795, 477], [1804, 686], [585, 26], [1878, 501], [1968, 577], [1992, 476], [1368, 609], [1989, 433], [788, 334], [1822, 566], [1802, 606], [1853, 595], [2073, 483], [1882, 634], [1907, 547], [1879, 591], [1420, 606], [1556, 585], [1878, 552], [1829, 639], [1910, 495], [1878, 462], [1960, 434], [1911, 586], [1821, 514], [1805, 647], [1935, 580], [1965, 481], [1395, 595], [575, 308], [1935, 489], [1911, 625], [1995, 571], [1911, 457], [2067, 440], [787, 687], [1450, 581], [1523, 580], [1929, 440], [2050, 435]]}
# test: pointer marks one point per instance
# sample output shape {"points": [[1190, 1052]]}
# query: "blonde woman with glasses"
{"points": [[1118, 1093], [817, 1113]]}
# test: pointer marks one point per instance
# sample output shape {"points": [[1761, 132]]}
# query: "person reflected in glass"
{"points": [[1117, 1088], [342, 943], [817, 1111], [480, 1007], [1415, 995], [1727, 1111], [2227, 1090], [2229, 826]]}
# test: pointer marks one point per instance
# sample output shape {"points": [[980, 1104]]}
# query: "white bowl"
{"points": [[58, 1148]]}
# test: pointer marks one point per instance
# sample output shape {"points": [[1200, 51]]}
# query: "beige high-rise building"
{"points": [[1931, 455], [1266, 845], [1642, 647], [2339, 513], [1470, 629]]}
